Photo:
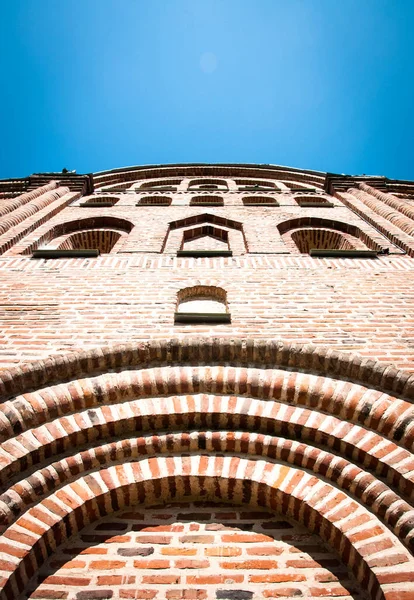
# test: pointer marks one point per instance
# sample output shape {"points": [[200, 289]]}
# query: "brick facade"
{"points": [[207, 385]]}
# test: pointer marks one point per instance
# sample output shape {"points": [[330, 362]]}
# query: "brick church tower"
{"points": [[207, 385]]}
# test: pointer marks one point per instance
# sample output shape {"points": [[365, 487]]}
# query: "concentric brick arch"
{"points": [[255, 408], [271, 353], [286, 490], [346, 475]]}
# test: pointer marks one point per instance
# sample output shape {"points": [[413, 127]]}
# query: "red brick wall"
{"points": [[357, 305], [199, 551], [266, 458]]}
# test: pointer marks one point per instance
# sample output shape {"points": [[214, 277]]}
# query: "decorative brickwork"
{"points": [[179, 424], [207, 201], [210, 551], [101, 239], [307, 239], [157, 200]]}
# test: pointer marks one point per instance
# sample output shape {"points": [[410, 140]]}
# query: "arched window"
{"points": [[155, 201], [207, 184], [318, 238], [161, 185], [323, 237], [253, 185], [202, 304], [207, 240], [207, 201], [260, 201], [83, 238], [184, 236], [313, 201], [98, 239], [100, 201]]}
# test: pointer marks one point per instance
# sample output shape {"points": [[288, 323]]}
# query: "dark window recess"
{"points": [[258, 188], [182, 317], [203, 253], [87, 253], [98, 204], [314, 204], [343, 253]]}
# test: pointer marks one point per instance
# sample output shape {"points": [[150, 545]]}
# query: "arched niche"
{"points": [[111, 230], [224, 229], [207, 200], [256, 185], [100, 200], [207, 184], [304, 234], [313, 200], [104, 240], [202, 304], [155, 201], [160, 185], [205, 239], [259, 201]]}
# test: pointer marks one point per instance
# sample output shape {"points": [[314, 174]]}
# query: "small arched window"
{"points": [[207, 201], [161, 185], [260, 201], [255, 185], [202, 304], [207, 185], [155, 201], [100, 201], [83, 238], [324, 237], [313, 201], [206, 240]]}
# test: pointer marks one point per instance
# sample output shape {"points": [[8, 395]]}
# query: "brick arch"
{"points": [[302, 199], [155, 200], [207, 199], [221, 183], [237, 241], [102, 239], [223, 397], [285, 490], [259, 200], [210, 291], [306, 239], [96, 199], [357, 404], [270, 353], [353, 420], [257, 183], [351, 234], [46, 235], [202, 298], [219, 237], [149, 185], [36, 485], [206, 218]]}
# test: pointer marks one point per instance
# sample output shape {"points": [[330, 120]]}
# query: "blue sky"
{"points": [[98, 84]]}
